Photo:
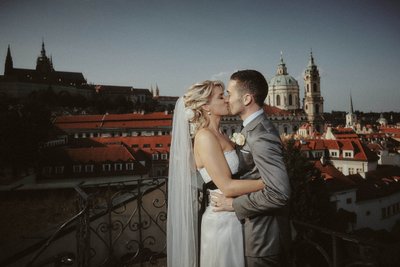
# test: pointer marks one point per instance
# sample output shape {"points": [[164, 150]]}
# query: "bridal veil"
{"points": [[182, 221]]}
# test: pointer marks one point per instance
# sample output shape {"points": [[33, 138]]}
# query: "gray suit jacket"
{"points": [[265, 212]]}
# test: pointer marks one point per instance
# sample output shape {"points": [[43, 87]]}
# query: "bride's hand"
{"points": [[220, 202]]}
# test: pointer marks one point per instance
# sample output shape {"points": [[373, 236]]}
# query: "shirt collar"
{"points": [[252, 117]]}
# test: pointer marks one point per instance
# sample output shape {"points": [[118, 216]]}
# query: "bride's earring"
{"points": [[209, 112]]}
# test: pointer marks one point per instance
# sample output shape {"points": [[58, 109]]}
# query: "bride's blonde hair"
{"points": [[197, 96]]}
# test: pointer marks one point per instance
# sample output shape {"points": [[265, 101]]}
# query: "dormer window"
{"points": [[129, 166], [77, 168], [106, 167], [155, 156], [348, 154], [334, 153], [118, 166]]}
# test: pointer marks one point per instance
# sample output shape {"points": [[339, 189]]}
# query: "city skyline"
{"points": [[173, 44]]}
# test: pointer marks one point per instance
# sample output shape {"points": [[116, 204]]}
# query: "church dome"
{"points": [[283, 80], [382, 120]]}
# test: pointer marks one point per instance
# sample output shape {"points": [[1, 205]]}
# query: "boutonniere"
{"points": [[238, 138]]}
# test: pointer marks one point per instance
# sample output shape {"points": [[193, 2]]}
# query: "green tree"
{"points": [[310, 197]]}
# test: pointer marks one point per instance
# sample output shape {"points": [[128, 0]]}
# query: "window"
{"points": [[348, 200], [358, 170], [315, 87], [290, 100], [59, 169], [107, 167], [278, 100], [347, 154], [47, 170], [129, 166], [164, 156], [384, 213], [334, 153], [318, 154], [118, 166], [135, 145], [351, 170], [146, 145], [308, 89], [159, 145], [155, 156], [77, 168], [89, 168]]}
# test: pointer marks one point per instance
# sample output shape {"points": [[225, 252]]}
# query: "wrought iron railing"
{"points": [[124, 224], [318, 246], [117, 224]]}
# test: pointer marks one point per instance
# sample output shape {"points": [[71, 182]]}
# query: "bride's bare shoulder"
{"points": [[204, 135]]}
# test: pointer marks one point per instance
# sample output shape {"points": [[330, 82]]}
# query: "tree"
{"points": [[310, 197], [27, 126]]}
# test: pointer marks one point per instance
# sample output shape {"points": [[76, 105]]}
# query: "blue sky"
{"points": [[173, 43]]}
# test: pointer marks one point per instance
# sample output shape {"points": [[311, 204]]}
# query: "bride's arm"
{"points": [[210, 153]]}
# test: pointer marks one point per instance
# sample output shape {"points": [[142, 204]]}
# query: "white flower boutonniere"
{"points": [[238, 139]]}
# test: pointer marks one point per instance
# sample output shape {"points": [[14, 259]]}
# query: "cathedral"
{"points": [[20, 82], [283, 100]]}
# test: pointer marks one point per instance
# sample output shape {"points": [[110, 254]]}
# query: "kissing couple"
{"points": [[246, 222]]}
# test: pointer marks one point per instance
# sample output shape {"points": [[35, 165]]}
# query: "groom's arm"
{"points": [[268, 158]]}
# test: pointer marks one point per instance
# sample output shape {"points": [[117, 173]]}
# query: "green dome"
{"points": [[283, 80]]}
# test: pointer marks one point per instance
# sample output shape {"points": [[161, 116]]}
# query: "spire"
{"points": [[282, 70], [157, 91], [43, 51], [311, 62], [43, 63], [351, 105], [8, 66]]}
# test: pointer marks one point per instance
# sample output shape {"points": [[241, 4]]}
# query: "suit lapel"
{"points": [[252, 124]]}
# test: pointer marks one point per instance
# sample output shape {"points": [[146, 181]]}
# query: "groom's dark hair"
{"points": [[252, 82]]}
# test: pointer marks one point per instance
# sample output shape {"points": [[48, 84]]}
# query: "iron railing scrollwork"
{"points": [[124, 225], [119, 224]]}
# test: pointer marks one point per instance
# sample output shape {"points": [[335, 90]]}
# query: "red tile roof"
{"points": [[153, 141], [275, 111], [344, 133], [360, 151], [150, 120], [113, 153], [379, 183], [112, 117]]}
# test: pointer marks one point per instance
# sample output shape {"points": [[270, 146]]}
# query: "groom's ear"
{"points": [[247, 99]]}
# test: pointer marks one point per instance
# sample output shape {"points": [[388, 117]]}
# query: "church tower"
{"points": [[283, 89], [351, 118], [43, 63], [8, 66], [313, 102]]}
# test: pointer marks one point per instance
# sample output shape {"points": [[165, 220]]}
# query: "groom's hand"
{"points": [[220, 202]]}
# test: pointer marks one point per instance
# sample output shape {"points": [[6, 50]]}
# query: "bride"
{"points": [[198, 144]]}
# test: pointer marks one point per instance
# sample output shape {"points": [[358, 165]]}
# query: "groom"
{"points": [[265, 212]]}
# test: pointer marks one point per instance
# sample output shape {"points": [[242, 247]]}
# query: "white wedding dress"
{"points": [[221, 232]]}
